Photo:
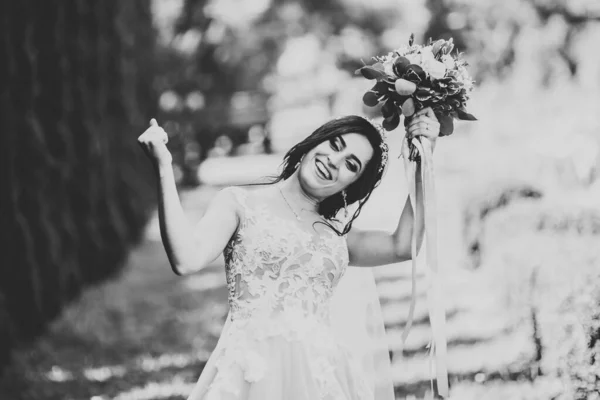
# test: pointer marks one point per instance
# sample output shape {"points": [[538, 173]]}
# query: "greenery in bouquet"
{"points": [[414, 77]]}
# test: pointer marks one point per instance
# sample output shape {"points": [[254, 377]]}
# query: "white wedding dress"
{"points": [[278, 341]]}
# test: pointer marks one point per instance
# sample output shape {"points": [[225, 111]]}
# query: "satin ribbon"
{"points": [[436, 305]]}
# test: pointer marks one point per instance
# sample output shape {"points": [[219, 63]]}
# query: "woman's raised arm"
{"points": [[188, 249], [373, 248]]}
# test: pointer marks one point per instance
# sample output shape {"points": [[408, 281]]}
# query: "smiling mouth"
{"points": [[322, 171]]}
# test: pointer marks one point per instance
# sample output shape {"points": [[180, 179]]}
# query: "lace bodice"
{"points": [[278, 340], [274, 267]]}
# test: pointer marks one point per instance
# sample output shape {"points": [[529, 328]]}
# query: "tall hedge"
{"points": [[76, 90]]}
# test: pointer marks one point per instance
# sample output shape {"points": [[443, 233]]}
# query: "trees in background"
{"points": [[77, 90], [228, 53], [220, 48]]}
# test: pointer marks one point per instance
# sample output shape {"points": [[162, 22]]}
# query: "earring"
{"points": [[345, 204], [299, 161]]}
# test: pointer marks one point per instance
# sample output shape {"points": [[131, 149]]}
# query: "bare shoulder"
{"points": [[229, 193], [228, 198], [239, 196], [258, 192]]}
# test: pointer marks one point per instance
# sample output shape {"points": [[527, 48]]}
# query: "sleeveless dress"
{"points": [[277, 342]]}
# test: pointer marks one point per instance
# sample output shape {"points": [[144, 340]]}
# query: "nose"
{"points": [[333, 160]]}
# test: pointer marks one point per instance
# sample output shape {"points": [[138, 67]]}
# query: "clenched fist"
{"points": [[154, 143]]}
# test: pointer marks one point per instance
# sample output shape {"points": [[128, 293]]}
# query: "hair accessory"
{"points": [[345, 204], [384, 147]]}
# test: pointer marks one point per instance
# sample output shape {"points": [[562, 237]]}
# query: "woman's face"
{"points": [[334, 164]]}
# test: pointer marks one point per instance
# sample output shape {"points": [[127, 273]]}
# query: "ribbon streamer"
{"points": [[436, 306]]}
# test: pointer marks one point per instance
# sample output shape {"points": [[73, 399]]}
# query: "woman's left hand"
{"points": [[424, 124]]}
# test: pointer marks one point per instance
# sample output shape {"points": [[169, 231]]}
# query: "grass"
{"points": [[145, 326]]}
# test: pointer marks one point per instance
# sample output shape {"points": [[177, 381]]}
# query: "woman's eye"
{"points": [[334, 144], [351, 166]]}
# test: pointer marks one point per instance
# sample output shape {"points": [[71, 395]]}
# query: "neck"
{"points": [[294, 192]]}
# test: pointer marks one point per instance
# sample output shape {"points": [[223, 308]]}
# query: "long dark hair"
{"points": [[361, 189]]}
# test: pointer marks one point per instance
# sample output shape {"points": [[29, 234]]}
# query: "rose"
{"points": [[414, 58], [448, 61], [434, 68]]}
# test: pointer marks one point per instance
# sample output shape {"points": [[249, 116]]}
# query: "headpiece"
{"points": [[384, 147]]}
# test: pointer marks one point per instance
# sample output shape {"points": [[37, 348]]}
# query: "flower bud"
{"points": [[404, 87], [437, 46], [408, 107]]}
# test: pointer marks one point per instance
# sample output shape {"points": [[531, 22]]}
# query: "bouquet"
{"points": [[410, 79], [414, 77]]}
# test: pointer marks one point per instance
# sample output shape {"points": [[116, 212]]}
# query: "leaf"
{"points": [[464, 115], [370, 99], [415, 72], [446, 124], [454, 103], [400, 65], [372, 73], [398, 99], [380, 88], [423, 96], [408, 108], [391, 123], [411, 40], [378, 66], [388, 109]]}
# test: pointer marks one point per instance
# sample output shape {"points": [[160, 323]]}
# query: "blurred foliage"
{"points": [[542, 257], [228, 51], [77, 91], [232, 55], [237, 53], [499, 35]]}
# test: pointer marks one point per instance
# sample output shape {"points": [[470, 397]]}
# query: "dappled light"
{"points": [[156, 390], [102, 374], [150, 364]]}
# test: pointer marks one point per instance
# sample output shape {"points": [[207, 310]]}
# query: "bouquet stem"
{"points": [[414, 153]]}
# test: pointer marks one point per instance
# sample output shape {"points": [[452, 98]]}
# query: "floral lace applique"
{"points": [[272, 264], [280, 280]]}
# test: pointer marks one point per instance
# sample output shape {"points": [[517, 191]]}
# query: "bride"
{"points": [[287, 245]]}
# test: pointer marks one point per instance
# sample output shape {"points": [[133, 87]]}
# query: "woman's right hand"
{"points": [[154, 143]]}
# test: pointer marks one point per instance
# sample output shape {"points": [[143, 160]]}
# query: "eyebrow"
{"points": [[352, 156]]}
